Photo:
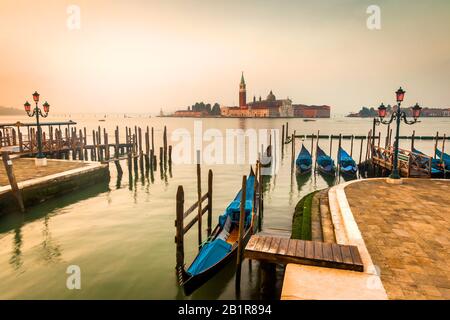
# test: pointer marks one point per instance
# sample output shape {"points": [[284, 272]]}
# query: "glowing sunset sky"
{"points": [[140, 56]]}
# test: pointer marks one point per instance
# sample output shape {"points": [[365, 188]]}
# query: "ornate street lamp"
{"points": [[37, 112], [398, 115]]}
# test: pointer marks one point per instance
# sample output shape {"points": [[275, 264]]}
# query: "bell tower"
{"points": [[242, 93]]}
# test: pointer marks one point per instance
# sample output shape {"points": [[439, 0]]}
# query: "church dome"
{"points": [[271, 96]]}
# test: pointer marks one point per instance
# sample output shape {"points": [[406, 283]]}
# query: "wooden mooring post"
{"points": [[292, 152], [165, 144], [12, 180], [351, 146], [360, 151], [435, 144], [199, 200], [287, 130], [241, 234]]}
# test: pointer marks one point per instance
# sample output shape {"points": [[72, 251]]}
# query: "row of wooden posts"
{"points": [[73, 145], [70, 143]]}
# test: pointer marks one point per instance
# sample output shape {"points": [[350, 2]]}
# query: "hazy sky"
{"points": [[140, 56]]}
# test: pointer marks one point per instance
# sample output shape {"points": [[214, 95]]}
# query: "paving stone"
{"points": [[406, 231], [24, 169]]}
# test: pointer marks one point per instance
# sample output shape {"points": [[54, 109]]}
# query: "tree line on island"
{"points": [[4, 111], [213, 110], [369, 112]]}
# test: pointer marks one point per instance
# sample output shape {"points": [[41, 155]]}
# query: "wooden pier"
{"points": [[62, 140], [282, 250]]}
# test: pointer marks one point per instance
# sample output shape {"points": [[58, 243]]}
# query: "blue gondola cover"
{"points": [[210, 254]]}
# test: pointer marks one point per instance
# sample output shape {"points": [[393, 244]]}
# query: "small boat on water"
{"points": [[304, 161], [221, 246], [444, 157], [325, 164], [347, 166], [436, 167], [266, 161]]}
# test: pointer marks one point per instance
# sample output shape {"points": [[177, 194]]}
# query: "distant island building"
{"points": [[271, 107]]}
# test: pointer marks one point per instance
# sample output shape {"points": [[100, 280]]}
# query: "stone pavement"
{"points": [[406, 229], [24, 169]]}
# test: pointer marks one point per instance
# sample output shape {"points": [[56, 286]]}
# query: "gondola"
{"points": [[325, 164], [221, 246], [347, 166], [444, 157], [267, 157], [304, 161], [436, 168]]}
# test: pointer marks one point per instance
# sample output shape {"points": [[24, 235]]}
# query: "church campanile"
{"points": [[242, 93]]}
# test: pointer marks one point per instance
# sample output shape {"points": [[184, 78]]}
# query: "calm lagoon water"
{"points": [[121, 234]]}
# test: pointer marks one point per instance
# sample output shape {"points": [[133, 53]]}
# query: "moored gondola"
{"points": [[304, 161], [437, 169], [221, 246], [324, 162], [444, 158], [347, 166]]}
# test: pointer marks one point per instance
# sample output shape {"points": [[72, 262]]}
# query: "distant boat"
{"points": [[325, 164], [306, 120], [304, 161], [347, 166], [102, 120], [222, 245], [267, 156], [436, 167]]}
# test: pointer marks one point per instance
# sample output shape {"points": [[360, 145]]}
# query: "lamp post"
{"points": [[37, 112], [398, 115]]}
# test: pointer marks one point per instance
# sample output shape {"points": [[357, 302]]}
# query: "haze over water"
{"points": [[122, 235]]}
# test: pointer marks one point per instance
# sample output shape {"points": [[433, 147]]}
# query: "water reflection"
{"points": [[51, 248], [329, 180], [302, 179], [16, 255]]}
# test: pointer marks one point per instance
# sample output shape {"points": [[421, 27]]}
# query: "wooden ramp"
{"points": [[283, 250]]}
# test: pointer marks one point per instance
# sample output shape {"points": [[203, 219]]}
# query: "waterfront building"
{"points": [[304, 111], [271, 107]]}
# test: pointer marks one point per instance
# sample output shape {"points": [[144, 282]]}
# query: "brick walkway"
{"points": [[406, 229], [24, 169]]}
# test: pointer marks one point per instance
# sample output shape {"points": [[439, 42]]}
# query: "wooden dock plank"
{"points": [[282, 249], [292, 247], [267, 244], [346, 255], [309, 250], [260, 244], [300, 251], [274, 245], [327, 252], [356, 256], [337, 256], [252, 243], [318, 255]]}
